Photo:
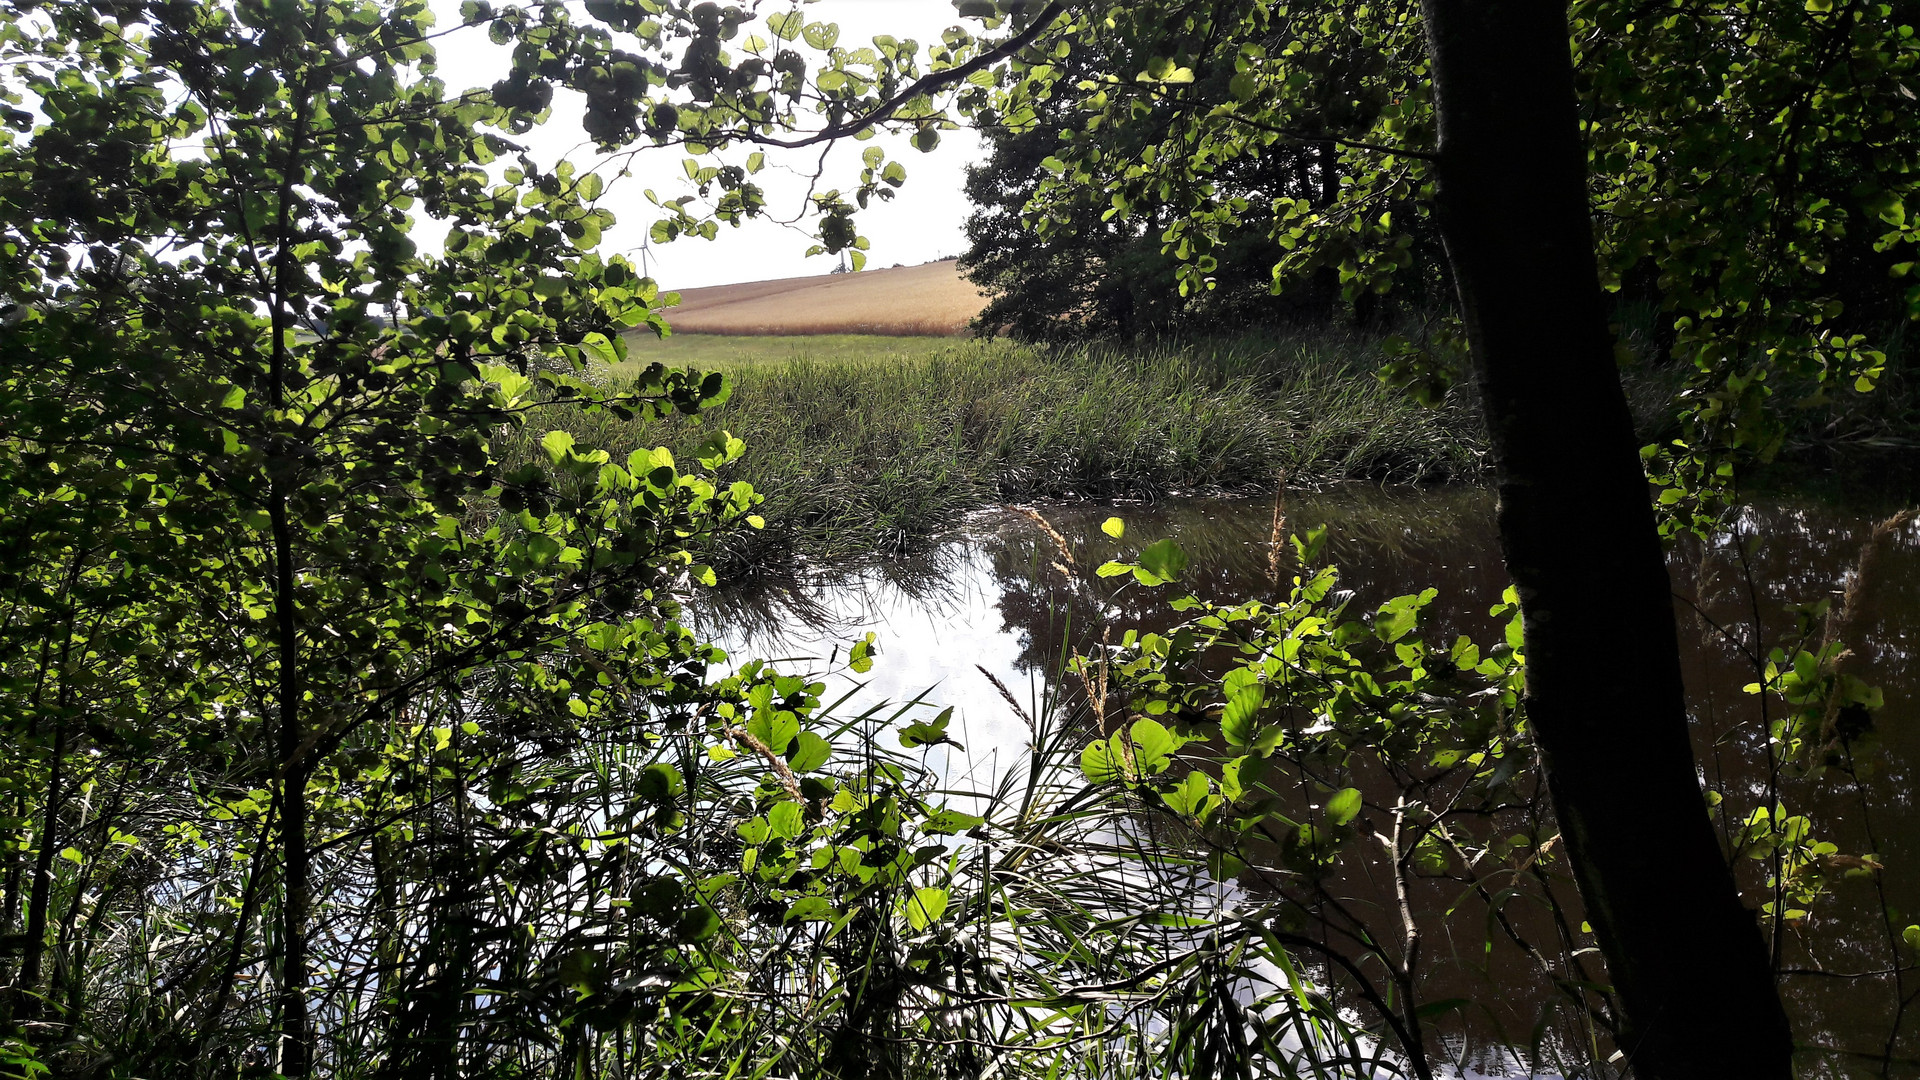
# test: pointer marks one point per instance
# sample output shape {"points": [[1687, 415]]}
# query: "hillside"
{"points": [[931, 299]]}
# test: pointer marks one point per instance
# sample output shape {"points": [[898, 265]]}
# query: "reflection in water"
{"points": [[993, 597]]}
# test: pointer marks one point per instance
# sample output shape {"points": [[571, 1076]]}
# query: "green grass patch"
{"points": [[874, 448], [727, 352]]}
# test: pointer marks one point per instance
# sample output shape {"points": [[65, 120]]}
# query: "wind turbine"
{"points": [[646, 256]]}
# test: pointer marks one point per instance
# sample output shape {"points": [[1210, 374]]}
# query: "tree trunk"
{"points": [[27, 1006], [1604, 691], [296, 1035], [296, 1050], [10, 907]]}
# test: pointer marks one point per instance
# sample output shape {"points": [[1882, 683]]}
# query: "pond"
{"points": [[990, 604]]}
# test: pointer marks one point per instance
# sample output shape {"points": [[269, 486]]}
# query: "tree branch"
{"points": [[931, 84], [1289, 133]]}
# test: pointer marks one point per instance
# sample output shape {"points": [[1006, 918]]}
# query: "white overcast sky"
{"points": [[922, 223]]}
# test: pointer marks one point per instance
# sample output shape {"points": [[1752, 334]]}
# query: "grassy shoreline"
{"points": [[863, 450]]}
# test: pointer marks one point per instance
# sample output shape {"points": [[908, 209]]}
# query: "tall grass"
{"points": [[856, 456], [731, 352]]}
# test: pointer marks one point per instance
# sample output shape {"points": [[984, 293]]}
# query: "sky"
{"points": [[921, 224]]}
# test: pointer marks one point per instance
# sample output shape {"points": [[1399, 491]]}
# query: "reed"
{"points": [[857, 456]]}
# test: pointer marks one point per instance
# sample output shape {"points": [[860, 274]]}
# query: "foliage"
{"points": [[1379, 787], [1790, 244], [1294, 739], [1086, 271], [261, 550], [799, 88]]}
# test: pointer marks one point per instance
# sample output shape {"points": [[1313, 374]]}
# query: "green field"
{"points": [[724, 352]]}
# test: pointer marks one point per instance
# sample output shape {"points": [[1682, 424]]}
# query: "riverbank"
{"points": [[860, 451]]}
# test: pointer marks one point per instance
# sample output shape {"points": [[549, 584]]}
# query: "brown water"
{"points": [[990, 597]]}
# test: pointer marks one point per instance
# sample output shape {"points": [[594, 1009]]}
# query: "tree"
{"points": [[1105, 278], [261, 506], [1702, 133], [1085, 271], [1579, 540], [1086, 258], [323, 673]]}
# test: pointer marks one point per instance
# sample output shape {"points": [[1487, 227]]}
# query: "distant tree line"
{"points": [[1096, 264]]}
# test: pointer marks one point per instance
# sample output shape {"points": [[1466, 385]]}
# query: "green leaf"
{"points": [[1098, 763], [860, 657], [1115, 528], [1465, 654], [929, 733], [557, 444], [600, 348], [821, 36], [659, 782], [786, 25], [924, 906], [951, 821], [1398, 616], [1225, 865], [1238, 777], [1190, 797], [786, 820], [810, 909], [809, 752], [775, 728], [697, 924], [1164, 559], [1153, 742], [1308, 549], [1236, 719], [1344, 806]]}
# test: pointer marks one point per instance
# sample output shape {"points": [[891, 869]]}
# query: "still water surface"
{"points": [[989, 597]]}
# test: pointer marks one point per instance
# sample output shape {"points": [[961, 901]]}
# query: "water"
{"points": [[990, 599]]}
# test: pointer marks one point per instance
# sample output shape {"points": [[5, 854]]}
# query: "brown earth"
{"points": [[930, 299]]}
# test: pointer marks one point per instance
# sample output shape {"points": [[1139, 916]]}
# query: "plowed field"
{"points": [[927, 300]]}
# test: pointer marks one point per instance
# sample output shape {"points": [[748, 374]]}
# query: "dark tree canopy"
{"points": [[1090, 273]]}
